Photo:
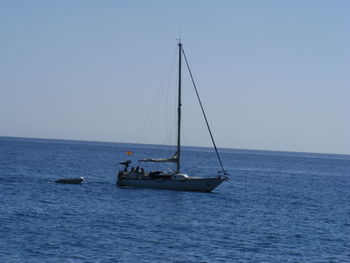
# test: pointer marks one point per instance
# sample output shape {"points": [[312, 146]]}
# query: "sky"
{"points": [[272, 75]]}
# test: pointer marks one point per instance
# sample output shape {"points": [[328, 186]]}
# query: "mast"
{"points": [[179, 111]]}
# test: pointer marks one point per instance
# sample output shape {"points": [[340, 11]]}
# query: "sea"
{"points": [[276, 207]]}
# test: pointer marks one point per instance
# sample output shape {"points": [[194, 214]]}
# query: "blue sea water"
{"points": [[277, 207]]}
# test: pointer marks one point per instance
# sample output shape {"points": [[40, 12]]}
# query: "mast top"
{"points": [[179, 41]]}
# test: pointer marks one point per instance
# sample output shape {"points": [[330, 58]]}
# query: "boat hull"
{"points": [[70, 180], [188, 184]]}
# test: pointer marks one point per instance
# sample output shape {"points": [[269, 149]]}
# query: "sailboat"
{"points": [[175, 180]]}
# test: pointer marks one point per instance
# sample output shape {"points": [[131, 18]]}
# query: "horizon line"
{"points": [[156, 144]]}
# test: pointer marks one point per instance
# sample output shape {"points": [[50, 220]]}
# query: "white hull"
{"points": [[188, 184]]}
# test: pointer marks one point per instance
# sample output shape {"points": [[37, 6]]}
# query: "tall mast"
{"points": [[179, 111]]}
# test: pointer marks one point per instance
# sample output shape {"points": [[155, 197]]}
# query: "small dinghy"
{"points": [[78, 180]]}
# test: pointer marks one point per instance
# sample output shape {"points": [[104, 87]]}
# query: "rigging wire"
{"points": [[205, 117], [156, 103], [170, 132], [158, 95], [194, 167]]}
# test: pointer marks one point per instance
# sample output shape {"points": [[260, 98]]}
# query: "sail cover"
{"points": [[172, 159]]}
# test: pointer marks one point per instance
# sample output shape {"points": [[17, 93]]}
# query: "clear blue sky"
{"points": [[273, 75]]}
